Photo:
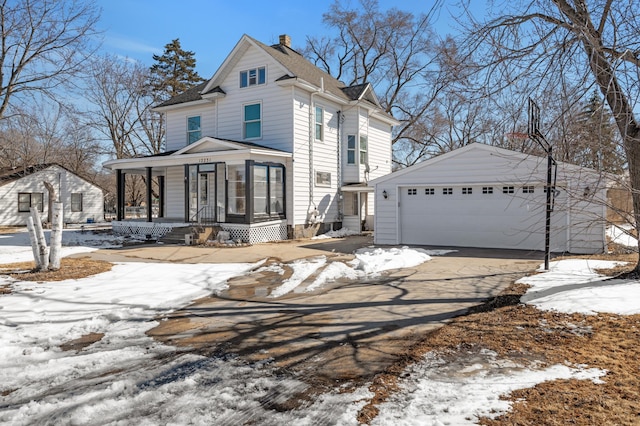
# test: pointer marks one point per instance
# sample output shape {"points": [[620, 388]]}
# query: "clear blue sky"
{"points": [[139, 28]]}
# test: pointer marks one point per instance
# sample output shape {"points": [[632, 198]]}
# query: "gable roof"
{"points": [[296, 68], [12, 174], [513, 156]]}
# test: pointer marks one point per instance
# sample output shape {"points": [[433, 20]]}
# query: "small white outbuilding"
{"points": [[23, 188], [483, 196]]}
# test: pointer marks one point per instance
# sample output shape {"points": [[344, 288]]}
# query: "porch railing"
{"points": [[206, 215]]}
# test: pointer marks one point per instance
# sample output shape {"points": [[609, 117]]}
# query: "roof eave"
{"points": [[181, 105]]}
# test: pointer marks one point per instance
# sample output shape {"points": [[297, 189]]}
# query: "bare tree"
{"points": [[398, 53], [555, 43], [116, 89], [44, 44]]}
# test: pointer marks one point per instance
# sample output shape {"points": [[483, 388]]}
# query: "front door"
{"points": [[202, 193]]}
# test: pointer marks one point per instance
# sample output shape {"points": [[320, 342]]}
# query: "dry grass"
{"points": [[70, 268], [524, 333]]}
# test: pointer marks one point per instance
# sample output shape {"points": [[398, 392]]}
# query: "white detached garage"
{"points": [[483, 196]]}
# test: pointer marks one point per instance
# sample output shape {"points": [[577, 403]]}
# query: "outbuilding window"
{"points": [[76, 202], [467, 191], [508, 189], [26, 200], [429, 191], [487, 189], [447, 191], [529, 189]]}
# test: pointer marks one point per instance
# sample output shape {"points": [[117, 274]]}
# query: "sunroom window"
{"points": [[236, 190]]}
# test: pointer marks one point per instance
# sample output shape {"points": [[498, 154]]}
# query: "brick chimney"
{"points": [[285, 40]]}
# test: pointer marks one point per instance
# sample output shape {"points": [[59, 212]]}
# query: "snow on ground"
{"points": [[574, 286], [621, 235], [16, 247], [302, 269], [369, 262], [439, 393], [128, 378], [340, 233]]}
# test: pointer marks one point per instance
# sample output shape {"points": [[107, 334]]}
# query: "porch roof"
{"points": [[206, 150], [357, 187]]}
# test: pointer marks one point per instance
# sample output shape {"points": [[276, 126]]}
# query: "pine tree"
{"points": [[598, 146], [174, 71]]}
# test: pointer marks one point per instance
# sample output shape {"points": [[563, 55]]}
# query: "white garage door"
{"points": [[505, 216]]}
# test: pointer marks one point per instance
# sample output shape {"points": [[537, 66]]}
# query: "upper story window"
{"points": [[253, 77], [351, 149], [364, 157], [319, 123], [193, 129], [252, 121]]}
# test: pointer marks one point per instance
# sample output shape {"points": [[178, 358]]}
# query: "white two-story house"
{"points": [[271, 147]]}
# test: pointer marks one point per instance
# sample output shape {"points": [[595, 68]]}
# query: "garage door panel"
{"points": [[478, 220]]}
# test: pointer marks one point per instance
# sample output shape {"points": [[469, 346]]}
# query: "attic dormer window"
{"points": [[253, 77]]}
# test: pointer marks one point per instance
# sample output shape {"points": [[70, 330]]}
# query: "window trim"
{"points": [[319, 124], [31, 194], [245, 77], [74, 208], [192, 132], [364, 153], [245, 121], [351, 138]]}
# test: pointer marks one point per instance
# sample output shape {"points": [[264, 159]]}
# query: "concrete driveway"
{"points": [[345, 331]]}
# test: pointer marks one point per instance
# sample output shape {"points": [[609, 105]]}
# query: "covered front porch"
{"points": [[238, 187]]}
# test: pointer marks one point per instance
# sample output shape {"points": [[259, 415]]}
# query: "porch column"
{"points": [[149, 202], [161, 196], [119, 195]]}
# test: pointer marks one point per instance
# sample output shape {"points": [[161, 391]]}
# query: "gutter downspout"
{"points": [[339, 162], [312, 214]]}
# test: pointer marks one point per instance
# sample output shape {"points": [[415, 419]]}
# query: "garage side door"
{"points": [[506, 216]]}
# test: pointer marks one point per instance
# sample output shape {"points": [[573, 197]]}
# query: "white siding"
{"points": [[174, 193], [65, 183], [277, 111], [177, 124], [300, 189]]}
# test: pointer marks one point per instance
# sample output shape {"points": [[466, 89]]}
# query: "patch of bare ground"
{"points": [[82, 342], [524, 333], [70, 268]]}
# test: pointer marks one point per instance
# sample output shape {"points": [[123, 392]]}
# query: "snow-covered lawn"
{"points": [[128, 378]]}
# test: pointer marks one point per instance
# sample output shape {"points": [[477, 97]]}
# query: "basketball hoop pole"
{"points": [[536, 135]]}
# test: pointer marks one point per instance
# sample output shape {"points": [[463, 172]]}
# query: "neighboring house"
{"points": [[483, 196], [23, 188], [271, 147]]}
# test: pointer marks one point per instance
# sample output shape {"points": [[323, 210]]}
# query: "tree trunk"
{"points": [[34, 242], [43, 250], [56, 237]]}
